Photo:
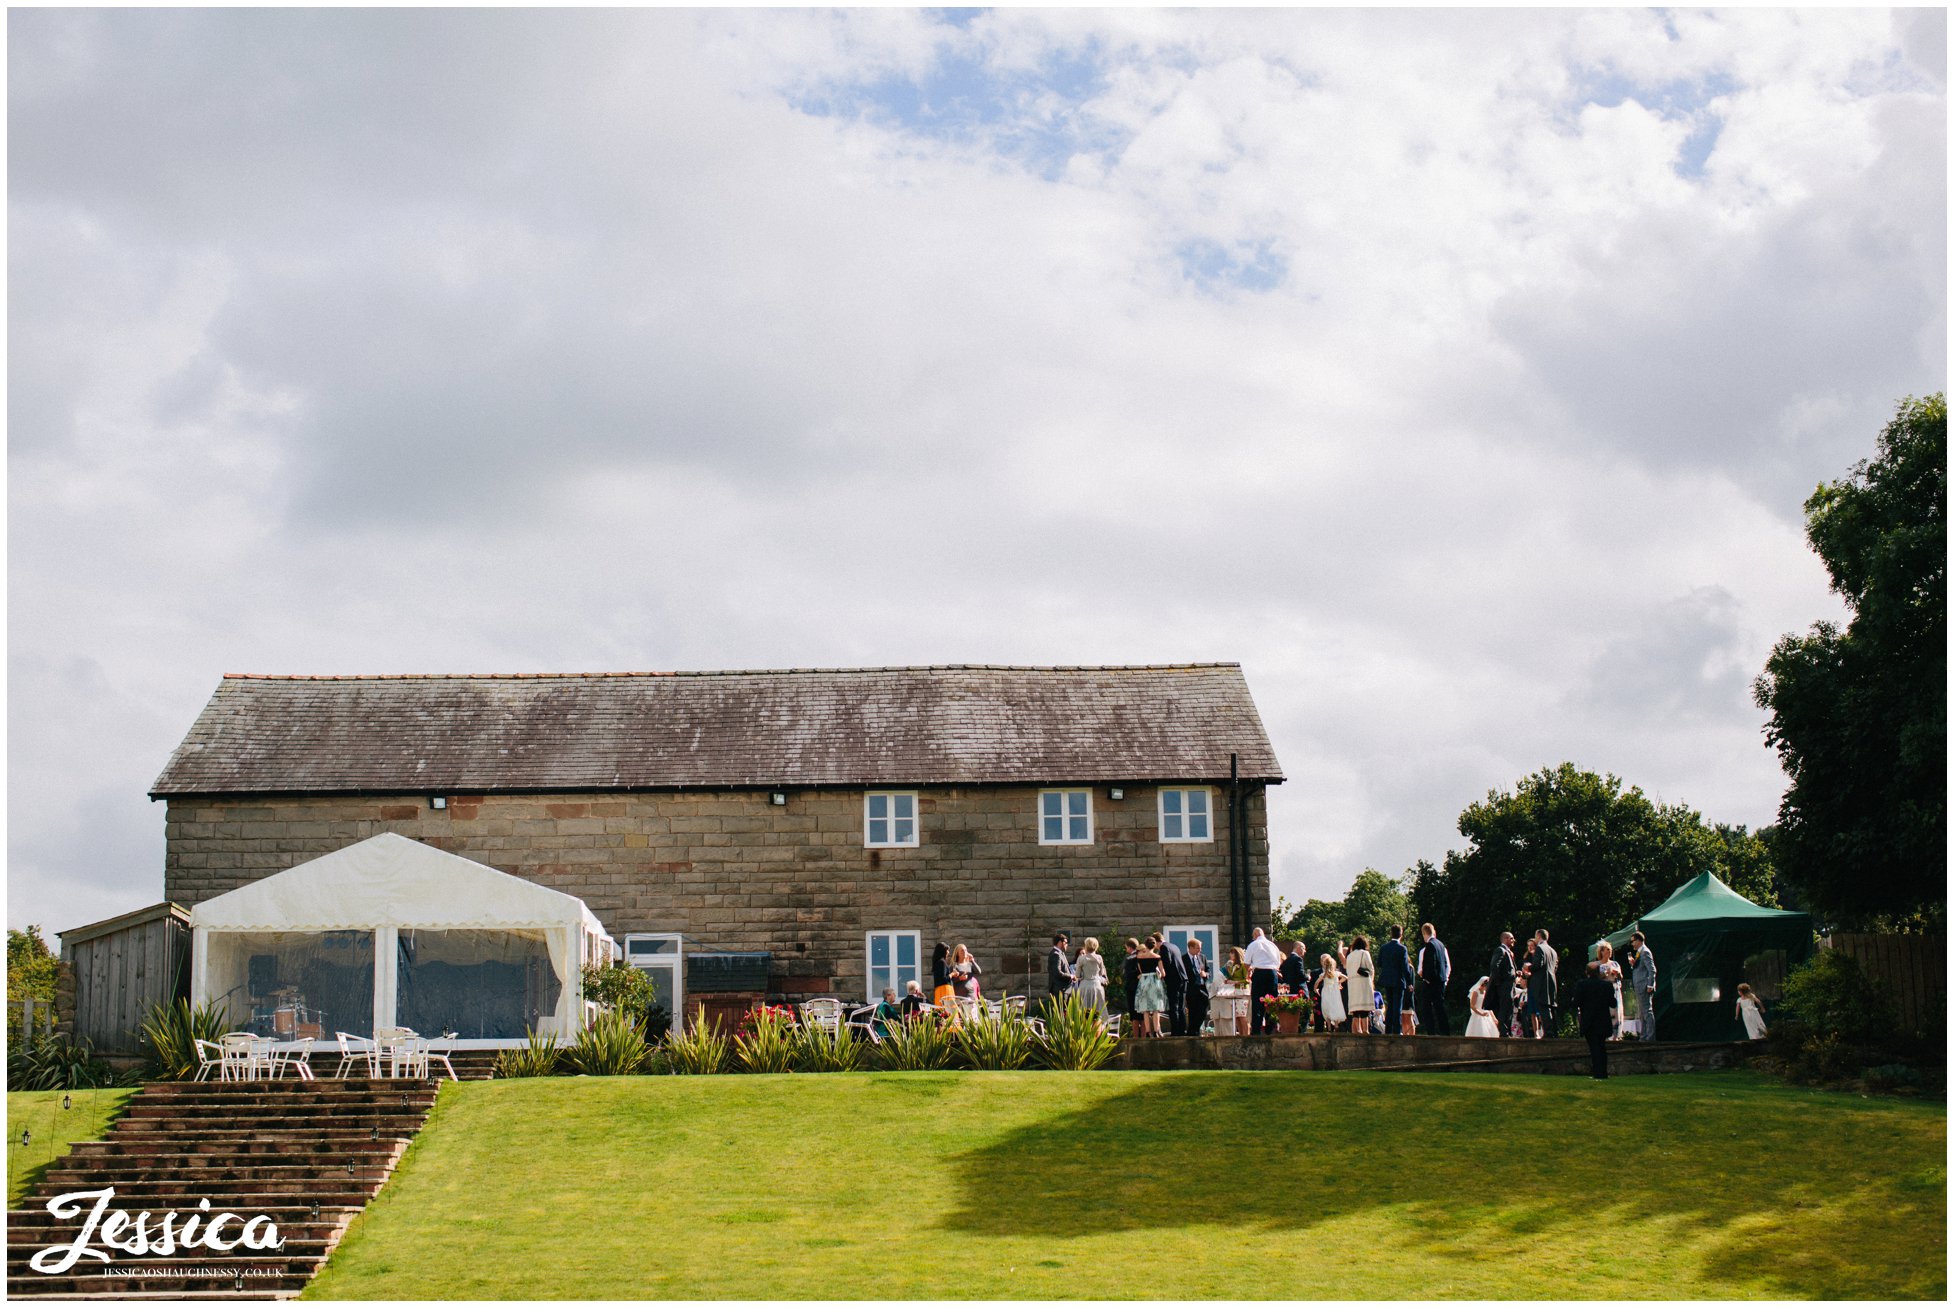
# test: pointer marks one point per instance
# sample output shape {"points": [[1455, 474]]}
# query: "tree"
{"points": [[32, 971], [1373, 903], [1580, 855], [1859, 716]]}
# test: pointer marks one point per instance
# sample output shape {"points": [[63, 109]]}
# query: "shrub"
{"points": [[56, 1062], [629, 990], [766, 1041], [1075, 1039], [170, 1034], [925, 1043], [819, 1050], [610, 1046], [539, 1057], [995, 1043], [1832, 995], [699, 1050]]}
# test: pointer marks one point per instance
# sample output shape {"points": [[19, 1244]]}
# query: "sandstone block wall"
{"points": [[731, 871]]}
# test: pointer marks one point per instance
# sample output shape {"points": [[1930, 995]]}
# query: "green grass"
{"points": [[1157, 1185], [51, 1129]]}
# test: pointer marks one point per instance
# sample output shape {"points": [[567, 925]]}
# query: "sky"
{"points": [[1461, 374]]}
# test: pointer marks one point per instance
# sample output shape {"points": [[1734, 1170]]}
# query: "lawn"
{"points": [[51, 1129], [1157, 1185]]}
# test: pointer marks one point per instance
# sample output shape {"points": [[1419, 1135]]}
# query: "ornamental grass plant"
{"points": [[766, 1041], [817, 1049], [613, 1045], [998, 1042], [540, 1057], [1075, 1038], [697, 1050], [925, 1043], [170, 1034]]}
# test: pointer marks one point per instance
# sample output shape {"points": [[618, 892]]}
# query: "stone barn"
{"points": [[802, 832]]}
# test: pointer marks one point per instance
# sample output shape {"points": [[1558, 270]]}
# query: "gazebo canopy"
{"points": [[390, 932], [1706, 938]]}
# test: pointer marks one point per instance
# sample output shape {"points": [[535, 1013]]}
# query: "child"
{"points": [[1751, 1010]]}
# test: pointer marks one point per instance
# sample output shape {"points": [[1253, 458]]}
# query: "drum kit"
{"points": [[289, 1016]]}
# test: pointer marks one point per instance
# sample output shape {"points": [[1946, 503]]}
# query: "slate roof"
{"points": [[950, 725]]}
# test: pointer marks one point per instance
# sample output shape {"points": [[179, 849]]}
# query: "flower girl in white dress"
{"points": [[1329, 999]]}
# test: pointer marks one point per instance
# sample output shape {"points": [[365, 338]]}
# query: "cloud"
{"points": [[1460, 374]]}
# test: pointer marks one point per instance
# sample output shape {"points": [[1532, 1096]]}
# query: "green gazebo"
{"points": [[1706, 938]]}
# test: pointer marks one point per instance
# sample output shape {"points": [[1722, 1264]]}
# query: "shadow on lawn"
{"points": [[1828, 1197]]}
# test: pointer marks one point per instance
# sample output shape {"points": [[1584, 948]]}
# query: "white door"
{"points": [[662, 956]]}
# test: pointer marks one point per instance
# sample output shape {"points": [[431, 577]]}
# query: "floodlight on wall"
{"points": [[778, 798], [1116, 793], [437, 801]]}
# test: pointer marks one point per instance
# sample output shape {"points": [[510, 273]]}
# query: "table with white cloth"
{"points": [[1228, 1006]]}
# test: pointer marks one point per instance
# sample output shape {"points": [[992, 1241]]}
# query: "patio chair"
{"points": [[298, 1058], [1014, 1005], [402, 1051], [824, 1013], [437, 1051], [210, 1058], [1112, 1021], [861, 1022], [239, 1058], [357, 1049], [1037, 1025]]}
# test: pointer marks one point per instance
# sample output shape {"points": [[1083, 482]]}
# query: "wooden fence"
{"points": [[1912, 970]]}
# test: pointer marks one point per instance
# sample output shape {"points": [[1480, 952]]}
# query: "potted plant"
{"points": [[1288, 1009]]}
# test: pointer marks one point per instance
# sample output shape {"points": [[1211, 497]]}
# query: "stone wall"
{"points": [[732, 871]]}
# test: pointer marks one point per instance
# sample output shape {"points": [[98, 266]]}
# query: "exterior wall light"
{"points": [[1116, 793], [437, 801], [778, 798]]}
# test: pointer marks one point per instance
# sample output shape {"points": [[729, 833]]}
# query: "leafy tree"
{"points": [[1859, 716], [1373, 903], [32, 970], [1580, 855]]}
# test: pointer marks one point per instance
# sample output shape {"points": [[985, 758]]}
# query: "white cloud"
{"points": [[443, 340]]}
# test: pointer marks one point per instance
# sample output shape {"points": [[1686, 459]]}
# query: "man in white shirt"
{"points": [[1263, 960]]}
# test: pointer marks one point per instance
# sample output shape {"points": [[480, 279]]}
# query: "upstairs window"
{"points": [[889, 819], [1065, 817], [1184, 815]]}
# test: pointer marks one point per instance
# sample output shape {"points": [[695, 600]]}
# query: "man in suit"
{"points": [[1199, 972], [1641, 975], [1594, 1008], [1173, 978], [1543, 985], [1263, 960], [1434, 974], [1060, 975], [1394, 980], [1501, 973]]}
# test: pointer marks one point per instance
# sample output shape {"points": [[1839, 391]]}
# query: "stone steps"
{"points": [[306, 1155]]}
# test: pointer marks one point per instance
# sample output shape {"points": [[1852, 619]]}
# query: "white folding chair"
{"points": [[824, 1013], [239, 1061], [298, 1058], [1112, 1024], [354, 1050], [210, 1058], [437, 1051]]}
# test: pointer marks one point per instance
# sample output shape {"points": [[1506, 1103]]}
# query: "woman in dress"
{"points": [[942, 990], [1611, 972], [1232, 1010], [964, 973], [1482, 1022], [1751, 1009], [1150, 1001], [1129, 976], [1361, 994], [1329, 994], [1092, 977]]}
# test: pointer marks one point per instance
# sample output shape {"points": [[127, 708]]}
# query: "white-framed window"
{"points": [[1187, 814], [889, 819], [895, 958], [1065, 817], [1210, 938]]}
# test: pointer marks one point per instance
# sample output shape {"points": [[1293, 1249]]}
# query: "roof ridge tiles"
{"points": [[725, 672]]}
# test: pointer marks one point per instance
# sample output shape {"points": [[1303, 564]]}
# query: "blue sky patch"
{"points": [[1031, 115], [1243, 266], [1681, 100]]}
